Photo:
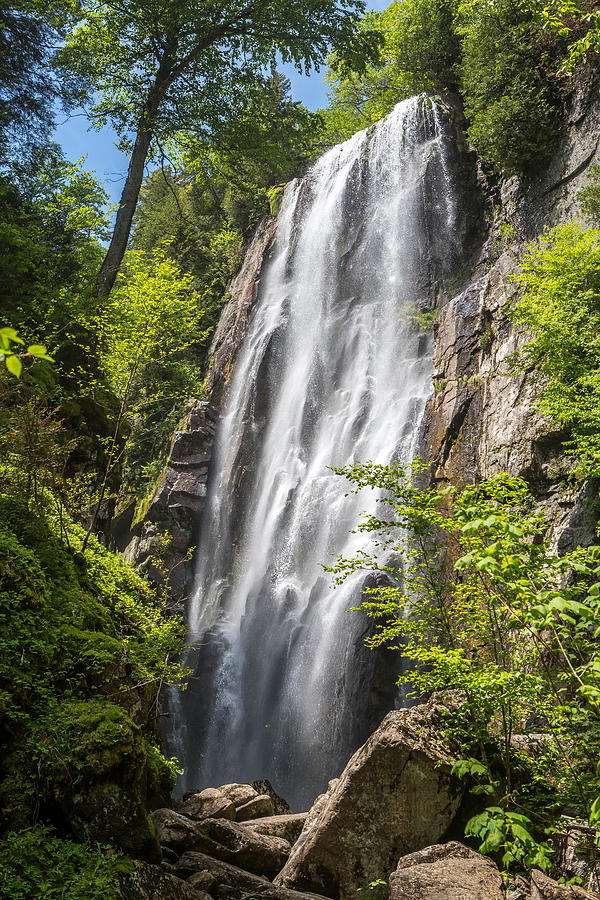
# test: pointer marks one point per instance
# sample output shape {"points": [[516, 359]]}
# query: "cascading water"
{"points": [[332, 371]]}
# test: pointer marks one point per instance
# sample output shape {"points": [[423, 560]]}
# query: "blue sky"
{"points": [[110, 165]]}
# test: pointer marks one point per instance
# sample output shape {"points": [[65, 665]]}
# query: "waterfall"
{"points": [[332, 371]]}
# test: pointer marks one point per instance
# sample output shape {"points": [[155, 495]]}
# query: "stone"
{"points": [[238, 793], [174, 830], [571, 858], [545, 888], [202, 881], [286, 827], [232, 883], [207, 804], [444, 871], [264, 786], [395, 796], [259, 806], [147, 882], [235, 844]]}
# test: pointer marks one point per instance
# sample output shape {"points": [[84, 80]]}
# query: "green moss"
{"points": [[82, 651]]}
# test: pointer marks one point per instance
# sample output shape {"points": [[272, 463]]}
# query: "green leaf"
{"points": [[38, 350], [14, 365], [11, 335]]}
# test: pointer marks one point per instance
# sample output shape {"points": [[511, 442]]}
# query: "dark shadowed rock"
{"points": [[232, 883], [148, 882], [235, 844], [207, 804], [262, 805], [286, 827], [445, 871], [544, 888], [225, 840], [174, 830], [395, 796]]}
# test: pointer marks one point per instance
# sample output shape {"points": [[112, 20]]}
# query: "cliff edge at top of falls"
{"points": [[480, 419]]}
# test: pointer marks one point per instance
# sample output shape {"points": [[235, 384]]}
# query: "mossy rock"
{"points": [[109, 813]]}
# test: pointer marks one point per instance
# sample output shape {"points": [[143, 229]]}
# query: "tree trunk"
{"points": [[131, 190]]}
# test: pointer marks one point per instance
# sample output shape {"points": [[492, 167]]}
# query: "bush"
{"points": [[559, 312], [472, 593], [36, 863]]}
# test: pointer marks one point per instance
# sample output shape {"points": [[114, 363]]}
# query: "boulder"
{"points": [[544, 888], [259, 806], [395, 796], [235, 844], [207, 804], [287, 827], [202, 881], [225, 840], [175, 831], [148, 882], [444, 871], [264, 786], [232, 883], [238, 794]]}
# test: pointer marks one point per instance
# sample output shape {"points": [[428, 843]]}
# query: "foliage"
{"points": [[419, 53], [157, 72], [480, 605], [82, 641], [207, 53], [9, 355], [37, 863], [29, 89], [51, 216], [270, 142], [151, 317], [495, 55], [589, 197], [559, 312], [508, 97], [579, 25]]}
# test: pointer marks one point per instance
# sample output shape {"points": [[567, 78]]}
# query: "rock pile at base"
{"points": [[385, 817]]}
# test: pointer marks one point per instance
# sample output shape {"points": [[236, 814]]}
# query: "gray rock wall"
{"points": [[482, 418]]}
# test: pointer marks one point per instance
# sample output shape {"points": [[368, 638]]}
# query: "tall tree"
{"points": [[159, 67]]}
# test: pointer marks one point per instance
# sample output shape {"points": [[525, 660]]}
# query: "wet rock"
{"points": [[395, 796], [232, 883], [148, 882], [286, 827], [545, 888], [207, 804], [444, 871], [262, 805], [240, 846], [264, 786]]}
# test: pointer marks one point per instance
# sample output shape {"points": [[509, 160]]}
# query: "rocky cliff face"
{"points": [[481, 418]]}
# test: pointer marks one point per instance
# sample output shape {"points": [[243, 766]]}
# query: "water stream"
{"points": [[333, 370]]}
